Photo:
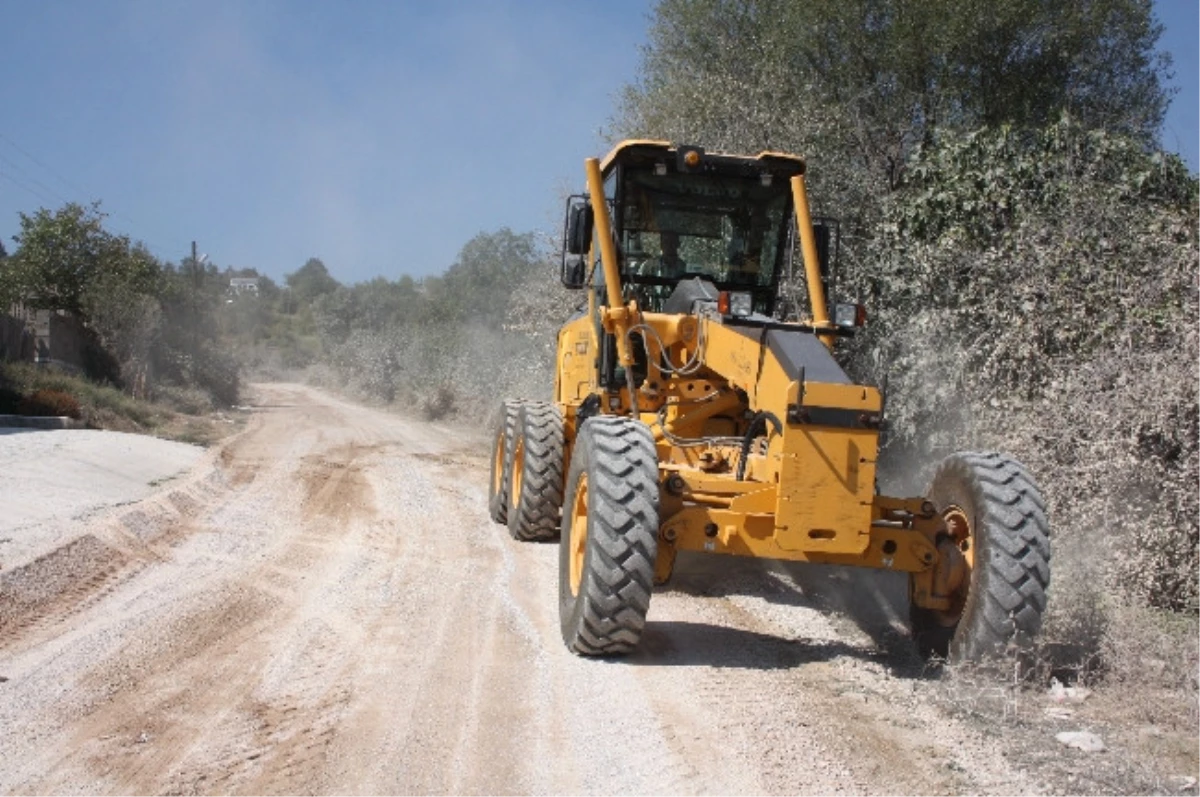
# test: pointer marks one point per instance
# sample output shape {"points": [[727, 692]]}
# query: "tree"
{"points": [[310, 281], [122, 305], [477, 287], [1034, 292], [860, 83], [187, 349], [66, 260]]}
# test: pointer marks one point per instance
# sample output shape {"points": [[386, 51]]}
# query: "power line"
{"points": [[27, 176], [53, 173], [33, 191], [154, 248]]}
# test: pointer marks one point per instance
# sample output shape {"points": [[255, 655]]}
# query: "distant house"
{"points": [[241, 285]]}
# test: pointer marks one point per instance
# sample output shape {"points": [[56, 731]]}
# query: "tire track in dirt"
{"points": [[285, 722], [441, 660], [38, 598], [585, 727], [136, 685], [43, 593], [283, 735]]}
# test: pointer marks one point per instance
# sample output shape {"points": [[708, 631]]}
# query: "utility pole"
{"points": [[197, 281], [195, 296]]}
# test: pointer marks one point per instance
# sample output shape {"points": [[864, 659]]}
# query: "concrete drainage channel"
{"points": [[98, 550], [84, 510]]}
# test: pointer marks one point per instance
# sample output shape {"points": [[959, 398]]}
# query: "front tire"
{"points": [[996, 515], [609, 537]]}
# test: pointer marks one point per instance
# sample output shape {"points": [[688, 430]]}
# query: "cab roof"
{"points": [[650, 149]]}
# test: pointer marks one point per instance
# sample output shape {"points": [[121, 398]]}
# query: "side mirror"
{"points": [[822, 237], [574, 272], [827, 237], [579, 227], [577, 241]]}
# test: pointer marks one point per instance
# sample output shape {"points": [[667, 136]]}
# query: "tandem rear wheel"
{"points": [[535, 473]]}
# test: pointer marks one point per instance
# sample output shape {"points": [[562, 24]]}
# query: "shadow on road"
{"points": [[875, 602], [676, 643]]}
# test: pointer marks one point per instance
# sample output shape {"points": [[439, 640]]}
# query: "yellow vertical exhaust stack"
{"points": [[608, 254], [808, 247], [617, 314]]}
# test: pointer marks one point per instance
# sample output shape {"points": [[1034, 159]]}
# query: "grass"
{"points": [[179, 414]]}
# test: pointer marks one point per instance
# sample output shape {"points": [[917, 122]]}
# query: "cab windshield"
{"points": [[729, 229]]}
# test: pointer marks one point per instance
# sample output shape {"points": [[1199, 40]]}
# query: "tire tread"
{"points": [[609, 614], [1012, 558], [506, 425], [534, 515]]}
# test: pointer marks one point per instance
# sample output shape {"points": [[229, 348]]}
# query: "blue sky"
{"points": [[1181, 19], [378, 136]]}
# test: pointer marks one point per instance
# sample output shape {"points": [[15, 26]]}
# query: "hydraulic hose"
{"points": [[758, 425]]}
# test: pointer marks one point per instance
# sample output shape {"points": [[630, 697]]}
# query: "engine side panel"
{"points": [[575, 376]]}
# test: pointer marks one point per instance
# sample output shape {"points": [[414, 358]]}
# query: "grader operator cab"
{"points": [[687, 418]]}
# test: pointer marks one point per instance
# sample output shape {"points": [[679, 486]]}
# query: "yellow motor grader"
{"points": [[686, 417]]}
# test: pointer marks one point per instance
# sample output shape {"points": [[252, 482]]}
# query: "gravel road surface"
{"points": [[320, 605]]}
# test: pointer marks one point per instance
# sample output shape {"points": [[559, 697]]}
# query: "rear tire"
{"points": [[1007, 544], [536, 473], [609, 537], [504, 434]]}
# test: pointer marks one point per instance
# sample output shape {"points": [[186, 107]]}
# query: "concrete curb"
{"points": [[37, 422]]}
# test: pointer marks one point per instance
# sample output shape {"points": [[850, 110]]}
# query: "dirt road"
{"points": [[322, 605]]}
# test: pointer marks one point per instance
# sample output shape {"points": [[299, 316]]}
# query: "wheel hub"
{"points": [[956, 560], [518, 473], [498, 465], [579, 533]]}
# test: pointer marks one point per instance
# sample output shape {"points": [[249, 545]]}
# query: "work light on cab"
{"points": [[849, 316], [735, 303]]}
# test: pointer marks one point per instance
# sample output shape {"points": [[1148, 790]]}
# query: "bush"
{"points": [[191, 401], [216, 372], [10, 401], [99, 404], [51, 403], [1035, 293], [439, 405]]}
